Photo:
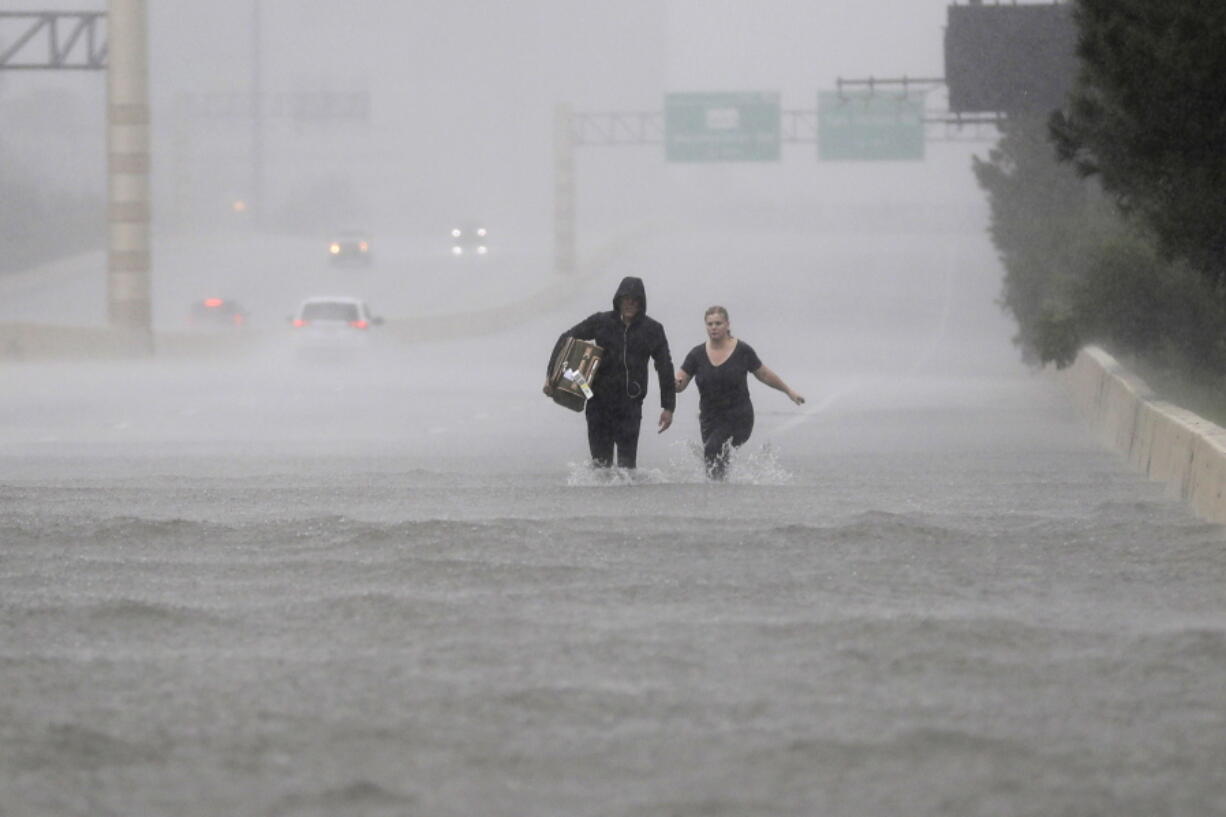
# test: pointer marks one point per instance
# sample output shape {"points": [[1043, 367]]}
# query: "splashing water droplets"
{"points": [[748, 465]]}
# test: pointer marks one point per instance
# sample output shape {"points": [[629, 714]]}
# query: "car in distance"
{"points": [[469, 239], [336, 323], [217, 313], [350, 247]]}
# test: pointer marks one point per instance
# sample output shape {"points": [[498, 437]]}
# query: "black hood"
{"points": [[630, 286]]}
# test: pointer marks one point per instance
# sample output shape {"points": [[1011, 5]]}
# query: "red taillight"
{"points": [[238, 320], [359, 324], [212, 303], [299, 322], [363, 246]]}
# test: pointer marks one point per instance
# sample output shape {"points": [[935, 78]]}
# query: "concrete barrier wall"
{"points": [[32, 341], [1172, 445], [20, 342]]}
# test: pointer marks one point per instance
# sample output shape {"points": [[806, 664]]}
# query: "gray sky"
{"points": [[462, 94]]}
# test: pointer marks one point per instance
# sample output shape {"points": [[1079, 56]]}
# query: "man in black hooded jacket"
{"points": [[628, 337]]}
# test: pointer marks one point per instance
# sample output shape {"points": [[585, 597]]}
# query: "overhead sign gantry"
{"points": [[863, 120], [52, 40], [74, 41], [721, 127]]}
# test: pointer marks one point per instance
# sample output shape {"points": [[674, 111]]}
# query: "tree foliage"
{"points": [[1110, 216], [1045, 223], [1148, 118], [1078, 270]]}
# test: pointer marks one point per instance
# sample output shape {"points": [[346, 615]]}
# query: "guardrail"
{"points": [[1170, 444]]}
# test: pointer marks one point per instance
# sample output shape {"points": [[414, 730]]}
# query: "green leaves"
{"points": [[1110, 216], [1148, 116]]}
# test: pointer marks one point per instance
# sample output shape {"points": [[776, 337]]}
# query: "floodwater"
{"points": [[393, 587]]}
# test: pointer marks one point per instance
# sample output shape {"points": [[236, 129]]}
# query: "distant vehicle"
{"points": [[337, 323], [350, 247], [217, 313], [469, 239]]}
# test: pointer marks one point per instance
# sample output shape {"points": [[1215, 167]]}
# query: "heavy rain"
{"points": [[259, 569]]}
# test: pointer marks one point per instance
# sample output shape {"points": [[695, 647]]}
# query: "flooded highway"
{"points": [[264, 586]]}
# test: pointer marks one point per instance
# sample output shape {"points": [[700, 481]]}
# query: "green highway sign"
{"points": [[721, 127], [869, 126]]}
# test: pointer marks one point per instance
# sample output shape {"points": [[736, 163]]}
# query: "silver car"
{"points": [[336, 322]]}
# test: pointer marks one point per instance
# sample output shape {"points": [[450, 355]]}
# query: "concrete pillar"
{"points": [[563, 193], [255, 196], [129, 201]]}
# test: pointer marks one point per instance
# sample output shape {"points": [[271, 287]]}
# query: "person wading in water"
{"points": [[629, 338], [725, 412]]}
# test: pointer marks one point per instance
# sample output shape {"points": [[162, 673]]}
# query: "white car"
{"points": [[337, 322]]}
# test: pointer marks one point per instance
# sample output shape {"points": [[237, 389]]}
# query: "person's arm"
{"points": [[682, 380], [773, 380], [668, 387], [584, 329], [686, 373]]}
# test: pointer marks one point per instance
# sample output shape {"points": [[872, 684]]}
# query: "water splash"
{"points": [[757, 466], [747, 465], [585, 475]]}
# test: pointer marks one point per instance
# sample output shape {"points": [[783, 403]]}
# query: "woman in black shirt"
{"points": [[725, 413]]}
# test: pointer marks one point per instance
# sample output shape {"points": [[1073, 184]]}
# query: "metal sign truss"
{"points": [[906, 83], [52, 40], [954, 127], [617, 128], [797, 127], [648, 128], [957, 127]]}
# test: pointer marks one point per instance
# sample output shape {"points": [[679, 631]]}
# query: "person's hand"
{"points": [[796, 398], [666, 420], [678, 384]]}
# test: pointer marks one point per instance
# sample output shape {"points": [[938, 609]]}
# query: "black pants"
{"points": [[722, 431], [614, 425]]}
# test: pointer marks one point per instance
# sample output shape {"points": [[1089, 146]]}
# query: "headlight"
{"points": [[481, 232], [481, 250], [335, 249], [457, 250], [455, 233]]}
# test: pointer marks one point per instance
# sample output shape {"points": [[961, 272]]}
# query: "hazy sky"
{"points": [[462, 94]]}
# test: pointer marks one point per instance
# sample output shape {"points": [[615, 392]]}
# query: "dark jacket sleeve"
{"points": [[584, 330], [664, 368]]}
